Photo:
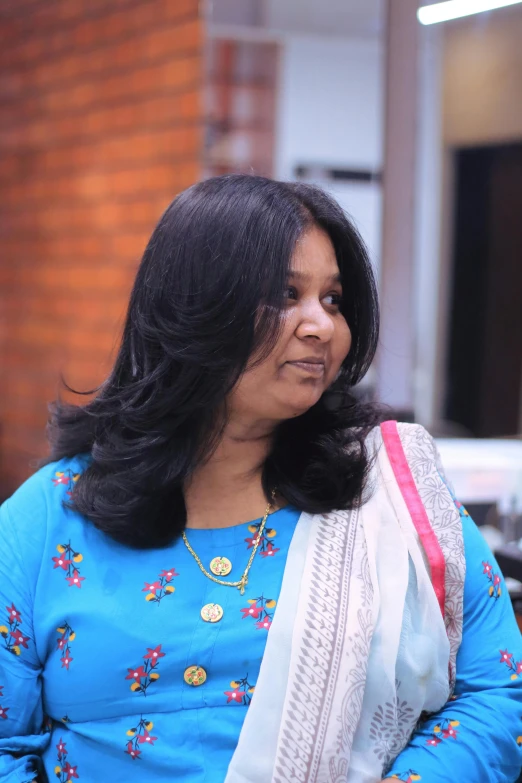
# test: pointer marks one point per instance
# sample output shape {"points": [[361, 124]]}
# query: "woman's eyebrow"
{"points": [[305, 277]]}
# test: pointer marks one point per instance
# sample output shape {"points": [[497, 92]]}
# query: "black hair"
{"points": [[207, 298]]}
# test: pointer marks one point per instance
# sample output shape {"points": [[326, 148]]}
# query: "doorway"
{"points": [[484, 374]]}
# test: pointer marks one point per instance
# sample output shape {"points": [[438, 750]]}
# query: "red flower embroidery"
{"points": [[68, 559], [236, 696], [252, 611], [65, 771], [258, 609], [132, 751], [140, 735], [66, 636], [265, 546], [145, 674], [136, 674], [169, 574], [151, 587], [3, 712], [75, 579], [68, 478], [269, 551], [61, 562], [515, 667], [14, 614], [449, 732], [70, 771], [154, 653], [495, 589], [13, 638], [160, 588], [19, 638], [146, 738], [241, 692], [62, 479], [66, 661], [443, 730]]}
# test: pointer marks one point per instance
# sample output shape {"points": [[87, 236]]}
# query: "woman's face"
{"points": [[313, 343]]}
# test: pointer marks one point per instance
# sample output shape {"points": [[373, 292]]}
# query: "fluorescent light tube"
{"points": [[453, 9]]}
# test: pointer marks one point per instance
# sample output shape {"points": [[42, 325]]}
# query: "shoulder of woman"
{"points": [[414, 437], [38, 504]]}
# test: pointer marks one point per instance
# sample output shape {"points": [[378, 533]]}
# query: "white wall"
{"points": [[330, 113]]}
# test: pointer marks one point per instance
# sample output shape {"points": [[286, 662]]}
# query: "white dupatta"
{"points": [[359, 646]]}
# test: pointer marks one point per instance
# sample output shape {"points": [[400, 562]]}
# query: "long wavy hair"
{"points": [[206, 302]]}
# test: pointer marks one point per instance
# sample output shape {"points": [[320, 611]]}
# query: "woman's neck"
{"points": [[227, 489]]}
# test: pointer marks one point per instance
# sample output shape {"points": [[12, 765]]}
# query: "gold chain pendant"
{"points": [[221, 564]]}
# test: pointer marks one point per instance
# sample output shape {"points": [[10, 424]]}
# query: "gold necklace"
{"points": [[241, 583]]}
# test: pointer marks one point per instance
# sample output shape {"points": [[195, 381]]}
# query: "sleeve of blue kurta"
{"points": [[477, 736], [22, 736]]}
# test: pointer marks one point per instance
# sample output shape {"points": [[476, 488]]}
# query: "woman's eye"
{"points": [[290, 292], [334, 299]]}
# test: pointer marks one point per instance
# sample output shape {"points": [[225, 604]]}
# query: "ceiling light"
{"points": [[453, 9]]}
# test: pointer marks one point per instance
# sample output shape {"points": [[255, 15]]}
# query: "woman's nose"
{"points": [[315, 322]]}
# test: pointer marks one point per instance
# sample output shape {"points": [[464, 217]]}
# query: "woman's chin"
{"points": [[301, 403]]}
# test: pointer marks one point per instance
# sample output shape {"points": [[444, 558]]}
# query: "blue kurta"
{"points": [[96, 640]]}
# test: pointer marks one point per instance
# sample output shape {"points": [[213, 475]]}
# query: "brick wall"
{"points": [[100, 126]]}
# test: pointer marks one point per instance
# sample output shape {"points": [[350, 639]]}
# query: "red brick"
{"points": [[100, 127]]}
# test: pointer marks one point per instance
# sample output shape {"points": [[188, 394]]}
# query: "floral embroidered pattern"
{"points": [[387, 727], [64, 771], [68, 559], [443, 730], [258, 610], [495, 590], [3, 710], [241, 692], [145, 674], [515, 667], [266, 547], [409, 776], [68, 478], [140, 735], [13, 637], [66, 636], [160, 587]]}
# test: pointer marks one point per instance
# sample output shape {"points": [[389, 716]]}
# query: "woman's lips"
{"points": [[315, 368]]}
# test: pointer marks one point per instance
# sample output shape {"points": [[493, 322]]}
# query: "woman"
{"points": [[228, 560]]}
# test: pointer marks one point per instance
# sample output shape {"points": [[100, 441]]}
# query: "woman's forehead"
{"points": [[314, 255]]}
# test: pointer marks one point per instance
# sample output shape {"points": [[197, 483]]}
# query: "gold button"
{"points": [[195, 675], [221, 566], [212, 613]]}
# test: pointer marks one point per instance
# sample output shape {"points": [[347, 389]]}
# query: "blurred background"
{"points": [[108, 108]]}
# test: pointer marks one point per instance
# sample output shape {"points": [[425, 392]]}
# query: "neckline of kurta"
{"points": [[236, 534]]}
